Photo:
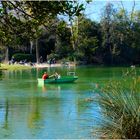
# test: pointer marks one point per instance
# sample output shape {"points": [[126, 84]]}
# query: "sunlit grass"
{"points": [[13, 67], [120, 104]]}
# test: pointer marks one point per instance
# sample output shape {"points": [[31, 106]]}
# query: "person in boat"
{"points": [[57, 76], [45, 76]]}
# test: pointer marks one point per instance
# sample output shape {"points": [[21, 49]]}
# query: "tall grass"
{"points": [[120, 104]]}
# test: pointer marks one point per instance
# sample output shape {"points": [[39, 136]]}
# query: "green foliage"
{"points": [[28, 19], [63, 46], [119, 36], [88, 1], [21, 57], [120, 104], [73, 8], [114, 40], [88, 38]]}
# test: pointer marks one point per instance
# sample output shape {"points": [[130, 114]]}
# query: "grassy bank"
{"points": [[13, 67]]}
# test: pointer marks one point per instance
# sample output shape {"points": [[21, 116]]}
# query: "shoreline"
{"points": [[46, 65], [6, 66], [28, 66]]}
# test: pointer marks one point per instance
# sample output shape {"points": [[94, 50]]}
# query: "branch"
{"points": [[132, 12], [20, 9], [124, 10]]}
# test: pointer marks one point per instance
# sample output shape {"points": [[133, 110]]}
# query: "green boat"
{"points": [[63, 79]]}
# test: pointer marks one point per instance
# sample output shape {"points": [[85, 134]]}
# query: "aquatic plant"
{"points": [[120, 105]]}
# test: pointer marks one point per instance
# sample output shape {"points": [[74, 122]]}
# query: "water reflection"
{"points": [[4, 115], [0, 74], [34, 114], [28, 110]]}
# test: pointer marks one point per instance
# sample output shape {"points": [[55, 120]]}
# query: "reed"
{"points": [[120, 105]]}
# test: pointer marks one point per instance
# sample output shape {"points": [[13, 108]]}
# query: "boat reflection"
{"points": [[48, 87]]}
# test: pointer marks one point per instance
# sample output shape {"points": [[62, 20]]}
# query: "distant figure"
{"points": [[53, 61], [41, 59], [50, 61], [45, 76], [12, 60], [132, 66], [31, 64]]}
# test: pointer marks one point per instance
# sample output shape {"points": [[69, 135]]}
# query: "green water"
{"points": [[29, 110]]}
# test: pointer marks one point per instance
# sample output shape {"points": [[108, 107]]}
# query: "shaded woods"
{"points": [[26, 27]]}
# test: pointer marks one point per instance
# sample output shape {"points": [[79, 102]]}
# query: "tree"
{"points": [[35, 15], [63, 41], [73, 10], [107, 28], [7, 30], [89, 44]]}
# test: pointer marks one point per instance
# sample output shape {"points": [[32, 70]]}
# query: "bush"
{"points": [[28, 57], [120, 104]]}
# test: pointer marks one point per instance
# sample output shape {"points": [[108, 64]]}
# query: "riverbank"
{"points": [[14, 67], [44, 65], [27, 66]]}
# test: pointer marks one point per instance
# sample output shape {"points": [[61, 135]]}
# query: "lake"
{"points": [[62, 111]]}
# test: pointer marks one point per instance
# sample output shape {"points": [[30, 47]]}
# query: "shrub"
{"points": [[28, 57], [120, 104]]}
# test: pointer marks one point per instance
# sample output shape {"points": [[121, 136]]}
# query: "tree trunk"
{"points": [[7, 55], [37, 51], [72, 40], [31, 46]]}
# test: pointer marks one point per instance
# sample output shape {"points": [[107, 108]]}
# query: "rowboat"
{"points": [[63, 79]]}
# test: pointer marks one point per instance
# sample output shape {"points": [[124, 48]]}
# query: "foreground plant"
{"points": [[120, 104]]}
